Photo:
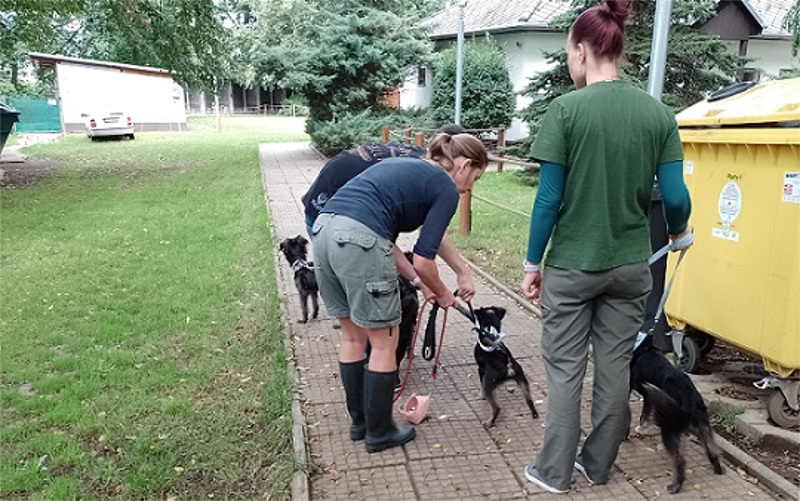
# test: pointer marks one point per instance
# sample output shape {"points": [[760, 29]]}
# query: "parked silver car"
{"points": [[113, 124]]}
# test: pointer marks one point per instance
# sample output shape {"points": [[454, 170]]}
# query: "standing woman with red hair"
{"points": [[600, 148]]}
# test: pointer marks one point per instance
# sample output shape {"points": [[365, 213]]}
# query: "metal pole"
{"points": [[658, 53], [658, 227], [459, 59]]}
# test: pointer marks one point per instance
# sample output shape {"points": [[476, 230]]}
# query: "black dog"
{"points": [[409, 307], [678, 407], [296, 250], [495, 362]]}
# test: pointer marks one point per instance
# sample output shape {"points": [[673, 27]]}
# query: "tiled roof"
{"points": [[493, 16], [772, 13], [501, 15]]}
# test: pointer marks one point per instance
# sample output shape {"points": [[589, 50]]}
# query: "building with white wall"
{"points": [[523, 28], [87, 86]]}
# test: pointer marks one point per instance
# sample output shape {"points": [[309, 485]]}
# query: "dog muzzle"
{"points": [[492, 334]]}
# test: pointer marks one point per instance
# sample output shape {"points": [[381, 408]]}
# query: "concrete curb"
{"points": [[756, 469], [738, 457], [300, 485]]}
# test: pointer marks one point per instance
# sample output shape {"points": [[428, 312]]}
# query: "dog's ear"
{"points": [[501, 312], [301, 240], [282, 247]]}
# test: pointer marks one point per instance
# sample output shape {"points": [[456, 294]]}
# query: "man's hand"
{"points": [[532, 285]]}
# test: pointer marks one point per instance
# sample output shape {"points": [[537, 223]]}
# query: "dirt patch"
{"points": [[741, 370], [24, 174]]}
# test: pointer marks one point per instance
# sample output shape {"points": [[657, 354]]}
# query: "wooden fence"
{"points": [[494, 145]]}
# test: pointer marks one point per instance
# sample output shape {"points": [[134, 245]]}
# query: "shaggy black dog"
{"points": [[409, 307], [671, 397], [296, 251], [495, 362]]}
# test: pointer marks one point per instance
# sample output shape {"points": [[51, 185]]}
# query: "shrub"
{"points": [[487, 96], [349, 129]]}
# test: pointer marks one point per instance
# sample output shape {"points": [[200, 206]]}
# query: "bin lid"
{"points": [[8, 110], [774, 101]]}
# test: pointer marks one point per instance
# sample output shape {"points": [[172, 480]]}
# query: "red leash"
{"points": [[414, 342]]}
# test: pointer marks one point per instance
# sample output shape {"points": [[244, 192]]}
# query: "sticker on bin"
{"points": [[729, 207], [791, 187]]}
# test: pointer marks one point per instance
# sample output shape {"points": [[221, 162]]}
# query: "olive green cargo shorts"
{"points": [[356, 272]]}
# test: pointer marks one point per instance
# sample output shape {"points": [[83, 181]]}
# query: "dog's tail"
{"points": [[668, 414]]}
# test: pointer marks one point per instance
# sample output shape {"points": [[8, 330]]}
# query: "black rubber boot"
{"points": [[352, 374], [381, 431]]}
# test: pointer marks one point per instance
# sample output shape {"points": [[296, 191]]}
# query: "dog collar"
{"points": [[300, 264]]}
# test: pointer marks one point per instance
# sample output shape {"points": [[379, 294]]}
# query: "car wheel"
{"points": [[131, 136]]}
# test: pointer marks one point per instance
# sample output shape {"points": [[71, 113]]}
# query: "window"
{"points": [[421, 76]]}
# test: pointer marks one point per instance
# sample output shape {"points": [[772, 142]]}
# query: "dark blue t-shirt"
{"points": [[345, 166], [399, 195]]}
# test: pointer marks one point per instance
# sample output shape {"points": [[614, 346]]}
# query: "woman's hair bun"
{"points": [[618, 9]]}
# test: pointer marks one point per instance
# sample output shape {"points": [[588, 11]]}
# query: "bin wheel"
{"points": [[780, 412], [705, 342], [690, 358]]}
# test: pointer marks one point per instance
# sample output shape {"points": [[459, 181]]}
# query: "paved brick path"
{"points": [[453, 456]]}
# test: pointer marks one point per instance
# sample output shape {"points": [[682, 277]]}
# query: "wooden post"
{"points": [[465, 214], [408, 133], [501, 145], [385, 134], [419, 139]]}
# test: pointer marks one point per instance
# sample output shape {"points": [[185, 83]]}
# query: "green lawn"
{"points": [[142, 347]]}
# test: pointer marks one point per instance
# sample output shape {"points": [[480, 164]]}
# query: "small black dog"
{"points": [[296, 250], [671, 397], [409, 307], [495, 362]]}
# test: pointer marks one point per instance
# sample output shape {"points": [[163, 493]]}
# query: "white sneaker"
{"points": [[579, 466], [532, 474]]}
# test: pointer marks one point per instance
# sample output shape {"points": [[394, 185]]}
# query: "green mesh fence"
{"points": [[36, 114]]}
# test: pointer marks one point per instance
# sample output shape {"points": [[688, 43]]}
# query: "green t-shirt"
{"points": [[610, 136]]}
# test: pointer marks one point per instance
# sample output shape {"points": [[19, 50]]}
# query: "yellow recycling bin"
{"points": [[739, 282]]}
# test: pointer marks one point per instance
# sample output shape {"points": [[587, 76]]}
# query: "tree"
{"points": [[697, 62], [792, 23], [29, 25], [340, 55], [487, 95], [185, 36]]}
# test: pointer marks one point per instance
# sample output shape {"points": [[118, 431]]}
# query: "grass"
{"points": [[499, 238], [142, 347]]}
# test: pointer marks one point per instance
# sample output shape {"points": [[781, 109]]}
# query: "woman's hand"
{"points": [[446, 300], [688, 231], [532, 285], [427, 293], [466, 286]]}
